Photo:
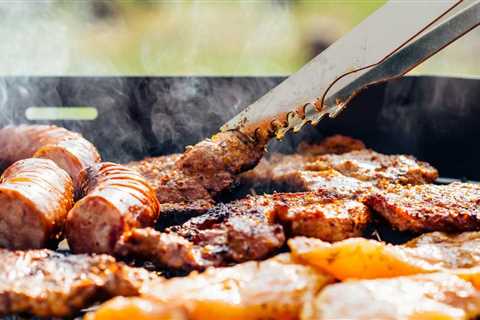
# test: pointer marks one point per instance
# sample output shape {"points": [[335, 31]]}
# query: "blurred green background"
{"points": [[254, 37]]}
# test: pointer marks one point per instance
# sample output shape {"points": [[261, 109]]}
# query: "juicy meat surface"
{"points": [[69, 150], [271, 289], [215, 162], [49, 284], [117, 199], [368, 165], [224, 235], [35, 197], [336, 144], [432, 296], [453, 207], [319, 215], [180, 196], [360, 258], [248, 229]]}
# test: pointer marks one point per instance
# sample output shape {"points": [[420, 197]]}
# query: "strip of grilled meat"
{"points": [[35, 197], [452, 207], [49, 284], [247, 229], [69, 150], [117, 199], [336, 144], [272, 289]]}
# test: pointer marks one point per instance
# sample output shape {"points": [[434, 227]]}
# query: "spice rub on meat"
{"points": [[248, 229], [226, 234], [453, 207], [45, 283], [336, 144]]}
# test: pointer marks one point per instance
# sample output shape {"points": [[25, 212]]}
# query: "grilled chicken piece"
{"points": [[336, 144], [432, 296], [180, 196], [35, 196], [368, 165], [118, 199], [69, 150], [226, 234], [49, 284], [452, 207], [360, 258], [271, 289], [215, 162]]}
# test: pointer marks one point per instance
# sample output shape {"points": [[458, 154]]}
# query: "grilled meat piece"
{"points": [[328, 182], [336, 144], [49, 284], [226, 234], [215, 162], [432, 296], [361, 258], [368, 165], [323, 216], [271, 289], [69, 150], [247, 229], [35, 196], [117, 200], [180, 196], [452, 207]]}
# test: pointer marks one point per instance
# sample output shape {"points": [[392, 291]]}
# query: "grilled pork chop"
{"points": [[453, 207], [271, 289], [429, 296], [49, 284], [248, 229]]}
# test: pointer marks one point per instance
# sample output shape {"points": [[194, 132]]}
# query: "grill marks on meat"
{"points": [[453, 207], [432, 296], [35, 196], [272, 289], [118, 199], [248, 229], [49, 284], [215, 162], [69, 150], [180, 195], [226, 234]]}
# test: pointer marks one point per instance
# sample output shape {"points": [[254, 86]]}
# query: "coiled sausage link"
{"points": [[69, 150], [35, 197], [117, 199]]}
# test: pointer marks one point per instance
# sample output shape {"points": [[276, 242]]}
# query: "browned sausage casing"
{"points": [[35, 197], [67, 149], [117, 200]]}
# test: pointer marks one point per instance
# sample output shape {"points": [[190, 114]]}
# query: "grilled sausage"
{"points": [[67, 149], [117, 199], [35, 197]]}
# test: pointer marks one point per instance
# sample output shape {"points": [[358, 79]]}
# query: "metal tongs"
{"points": [[389, 43]]}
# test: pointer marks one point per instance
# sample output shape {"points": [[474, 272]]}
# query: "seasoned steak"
{"points": [[226, 234], [336, 144], [215, 162], [324, 216], [368, 165], [49, 284], [453, 207]]}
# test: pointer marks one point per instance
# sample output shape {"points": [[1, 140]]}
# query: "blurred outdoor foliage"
{"points": [[222, 37]]}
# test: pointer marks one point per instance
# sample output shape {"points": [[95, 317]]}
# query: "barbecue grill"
{"points": [[433, 118]]}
